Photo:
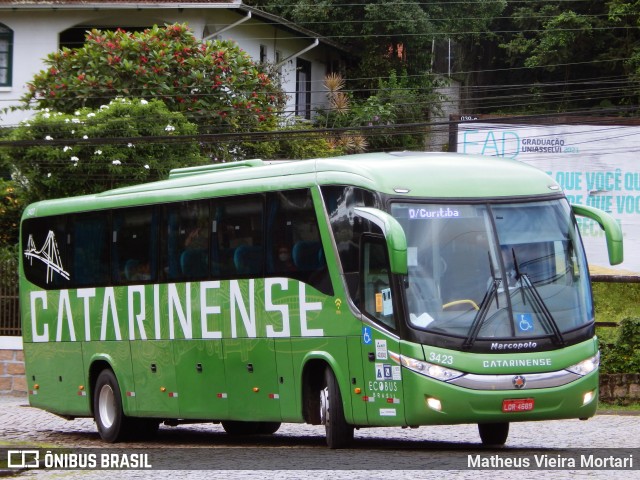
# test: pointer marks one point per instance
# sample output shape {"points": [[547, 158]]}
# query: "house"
{"points": [[31, 29]]}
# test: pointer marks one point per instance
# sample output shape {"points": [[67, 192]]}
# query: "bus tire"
{"points": [[493, 433], [107, 408], [339, 433]]}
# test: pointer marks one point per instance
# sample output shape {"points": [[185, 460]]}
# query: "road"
{"points": [[296, 451]]}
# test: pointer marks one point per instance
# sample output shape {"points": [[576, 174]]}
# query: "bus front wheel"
{"points": [[493, 433], [339, 432], [107, 408]]}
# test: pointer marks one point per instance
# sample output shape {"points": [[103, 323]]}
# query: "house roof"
{"points": [[165, 4]]}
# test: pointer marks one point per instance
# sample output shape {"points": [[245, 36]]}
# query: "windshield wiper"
{"points": [[538, 300], [491, 292]]}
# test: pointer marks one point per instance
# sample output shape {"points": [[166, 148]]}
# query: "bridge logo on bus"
{"points": [[519, 381]]}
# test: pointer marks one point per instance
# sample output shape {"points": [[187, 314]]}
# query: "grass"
{"points": [[614, 302], [634, 407]]}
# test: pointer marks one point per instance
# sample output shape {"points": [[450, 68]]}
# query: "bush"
{"points": [[90, 163], [216, 82], [623, 356]]}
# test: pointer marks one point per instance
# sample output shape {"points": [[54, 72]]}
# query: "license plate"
{"points": [[517, 405]]}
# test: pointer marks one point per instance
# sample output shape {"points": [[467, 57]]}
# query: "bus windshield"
{"points": [[495, 271]]}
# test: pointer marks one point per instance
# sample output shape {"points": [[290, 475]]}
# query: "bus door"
{"points": [[383, 391]]}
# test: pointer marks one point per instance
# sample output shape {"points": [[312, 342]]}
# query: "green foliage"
{"points": [[623, 356], [388, 35], [93, 164], [12, 202], [215, 82], [566, 47], [307, 144], [615, 301], [397, 100]]}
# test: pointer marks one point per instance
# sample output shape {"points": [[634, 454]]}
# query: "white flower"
{"points": [[117, 162], [143, 102], [75, 120], [48, 137], [66, 149], [89, 115], [75, 159], [147, 167], [98, 152], [85, 137], [46, 115], [169, 128], [66, 120], [130, 145], [104, 107], [76, 113], [48, 175]]}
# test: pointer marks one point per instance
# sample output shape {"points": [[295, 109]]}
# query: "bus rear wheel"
{"points": [[493, 433], [107, 408], [339, 432]]}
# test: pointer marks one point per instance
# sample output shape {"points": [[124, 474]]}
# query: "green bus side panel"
{"points": [[252, 390], [359, 407], [383, 381], [118, 356], [156, 389], [201, 379], [290, 388], [58, 371]]}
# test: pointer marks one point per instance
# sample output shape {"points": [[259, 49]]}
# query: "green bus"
{"points": [[382, 289]]}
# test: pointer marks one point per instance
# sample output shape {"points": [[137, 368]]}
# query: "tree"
{"points": [[71, 153], [560, 52], [214, 82]]}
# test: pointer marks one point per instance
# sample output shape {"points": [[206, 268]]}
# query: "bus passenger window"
{"points": [[237, 248], [294, 247], [134, 247], [186, 246], [89, 249]]}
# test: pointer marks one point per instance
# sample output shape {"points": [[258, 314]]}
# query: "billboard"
{"points": [[596, 164]]}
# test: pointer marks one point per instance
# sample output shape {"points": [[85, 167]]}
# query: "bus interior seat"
{"points": [[193, 263], [307, 256], [130, 269], [248, 260]]}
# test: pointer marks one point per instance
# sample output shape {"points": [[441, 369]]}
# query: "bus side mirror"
{"points": [[394, 235], [612, 230]]}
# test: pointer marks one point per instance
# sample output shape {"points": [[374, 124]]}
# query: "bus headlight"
{"points": [[586, 366], [425, 368]]}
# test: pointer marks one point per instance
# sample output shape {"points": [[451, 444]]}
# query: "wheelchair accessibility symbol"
{"points": [[525, 322], [367, 338]]}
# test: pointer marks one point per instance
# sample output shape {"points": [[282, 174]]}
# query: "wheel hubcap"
{"points": [[324, 406], [107, 406]]}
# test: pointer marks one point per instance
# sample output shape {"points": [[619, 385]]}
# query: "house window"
{"points": [[6, 55], [303, 88], [263, 53]]}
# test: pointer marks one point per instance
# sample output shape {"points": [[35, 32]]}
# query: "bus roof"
{"points": [[406, 174]]}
